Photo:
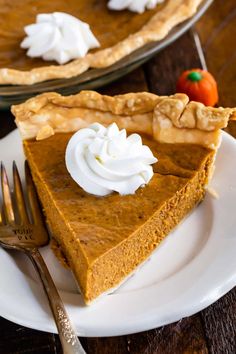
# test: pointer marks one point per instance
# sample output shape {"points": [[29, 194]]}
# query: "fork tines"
{"points": [[6, 197], [14, 210]]}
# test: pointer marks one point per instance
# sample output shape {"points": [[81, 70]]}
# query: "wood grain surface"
{"points": [[217, 31], [214, 329]]}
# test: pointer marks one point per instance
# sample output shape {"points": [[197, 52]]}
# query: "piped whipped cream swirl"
{"points": [[58, 36], [102, 160], [133, 5]]}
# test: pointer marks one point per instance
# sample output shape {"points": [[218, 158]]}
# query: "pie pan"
{"points": [[94, 78]]}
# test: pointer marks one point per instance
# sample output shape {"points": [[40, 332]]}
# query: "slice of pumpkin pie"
{"points": [[111, 192]]}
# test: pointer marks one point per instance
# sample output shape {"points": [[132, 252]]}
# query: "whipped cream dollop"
{"points": [[133, 5], [58, 36], [102, 160]]}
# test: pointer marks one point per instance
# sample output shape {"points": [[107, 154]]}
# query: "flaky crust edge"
{"points": [[173, 13], [169, 119]]}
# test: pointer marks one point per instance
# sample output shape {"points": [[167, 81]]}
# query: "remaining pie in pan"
{"points": [[118, 32], [106, 238]]}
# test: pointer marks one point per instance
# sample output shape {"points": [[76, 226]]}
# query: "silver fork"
{"points": [[22, 228]]}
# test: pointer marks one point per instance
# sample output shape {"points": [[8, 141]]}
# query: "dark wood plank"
{"points": [[110, 345], [219, 322], [16, 339], [133, 82], [217, 30], [164, 69], [185, 336]]}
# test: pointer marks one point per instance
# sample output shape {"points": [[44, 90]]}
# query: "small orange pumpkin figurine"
{"points": [[199, 85]]}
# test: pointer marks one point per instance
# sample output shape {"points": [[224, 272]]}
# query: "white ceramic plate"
{"points": [[193, 267]]}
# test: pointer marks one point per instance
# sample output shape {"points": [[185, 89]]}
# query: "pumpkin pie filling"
{"points": [[105, 238]]}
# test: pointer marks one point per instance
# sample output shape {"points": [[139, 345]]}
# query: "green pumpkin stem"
{"points": [[194, 76]]}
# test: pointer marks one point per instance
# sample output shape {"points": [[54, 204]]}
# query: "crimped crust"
{"points": [[170, 119], [173, 13]]}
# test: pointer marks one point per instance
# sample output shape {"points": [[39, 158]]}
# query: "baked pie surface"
{"points": [[119, 34], [105, 239]]}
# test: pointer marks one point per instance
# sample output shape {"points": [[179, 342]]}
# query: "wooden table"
{"points": [[214, 329]]}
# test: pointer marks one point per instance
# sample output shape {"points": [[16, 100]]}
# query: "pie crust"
{"points": [[170, 15], [169, 119]]}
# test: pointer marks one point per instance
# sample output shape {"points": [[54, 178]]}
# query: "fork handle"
{"points": [[69, 340]]}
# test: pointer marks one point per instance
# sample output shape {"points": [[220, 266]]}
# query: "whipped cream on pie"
{"points": [[133, 5], [103, 159], [58, 36]]}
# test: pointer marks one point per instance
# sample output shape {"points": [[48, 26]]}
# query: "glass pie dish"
{"points": [[94, 78]]}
